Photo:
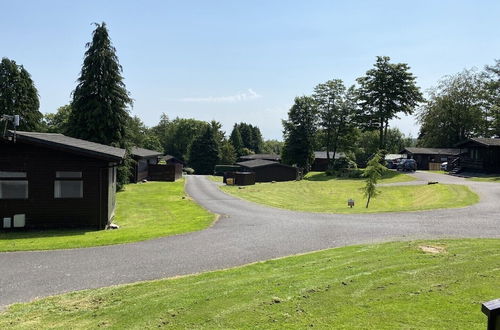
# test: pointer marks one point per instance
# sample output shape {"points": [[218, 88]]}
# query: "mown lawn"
{"points": [[144, 211], [385, 286], [487, 178], [321, 193]]}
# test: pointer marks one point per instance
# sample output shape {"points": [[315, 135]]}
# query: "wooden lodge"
{"points": [[143, 158], [320, 163], [431, 158], [268, 171], [270, 157], [483, 155], [50, 180], [148, 166]]}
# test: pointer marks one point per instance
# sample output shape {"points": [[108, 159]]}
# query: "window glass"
{"points": [[68, 175], [9, 174], [68, 189], [14, 189]]}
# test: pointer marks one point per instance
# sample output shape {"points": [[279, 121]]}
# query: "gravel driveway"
{"points": [[246, 232]]}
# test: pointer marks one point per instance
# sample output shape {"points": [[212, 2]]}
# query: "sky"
{"points": [[245, 61]]}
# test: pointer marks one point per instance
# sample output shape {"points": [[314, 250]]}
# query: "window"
{"points": [[12, 186], [68, 185]]}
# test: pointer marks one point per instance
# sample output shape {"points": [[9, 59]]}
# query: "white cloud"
{"points": [[240, 97]]}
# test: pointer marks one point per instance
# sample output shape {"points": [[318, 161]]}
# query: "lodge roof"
{"points": [[272, 157], [487, 142], [66, 143], [260, 163], [432, 151], [322, 155], [145, 153]]}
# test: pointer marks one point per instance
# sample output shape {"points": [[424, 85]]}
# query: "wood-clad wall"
{"points": [[41, 208]]}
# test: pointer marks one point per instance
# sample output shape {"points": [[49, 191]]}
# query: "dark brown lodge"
{"points": [[431, 158], [50, 180], [267, 171], [143, 158], [321, 160], [482, 155]]}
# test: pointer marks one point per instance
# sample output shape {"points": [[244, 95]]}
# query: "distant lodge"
{"points": [[431, 158], [321, 160], [50, 180], [148, 166], [268, 171], [473, 155]]}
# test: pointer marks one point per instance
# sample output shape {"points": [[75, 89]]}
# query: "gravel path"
{"points": [[246, 232]]}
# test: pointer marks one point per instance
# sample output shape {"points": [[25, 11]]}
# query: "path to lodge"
{"points": [[246, 232]]}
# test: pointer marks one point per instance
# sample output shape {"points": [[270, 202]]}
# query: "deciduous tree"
{"points": [[385, 91]]}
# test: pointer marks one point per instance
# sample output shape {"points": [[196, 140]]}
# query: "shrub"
{"points": [[188, 170]]}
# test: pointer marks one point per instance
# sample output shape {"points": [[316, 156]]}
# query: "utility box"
{"points": [[19, 220], [7, 223]]}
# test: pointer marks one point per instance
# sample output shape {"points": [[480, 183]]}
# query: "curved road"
{"points": [[246, 232]]}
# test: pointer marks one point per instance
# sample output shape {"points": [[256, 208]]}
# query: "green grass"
{"points": [[437, 172], [385, 286], [214, 178], [486, 178], [321, 193], [144, 211]]}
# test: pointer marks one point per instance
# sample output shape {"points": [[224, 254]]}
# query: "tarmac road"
{"points": [[246, 232]]}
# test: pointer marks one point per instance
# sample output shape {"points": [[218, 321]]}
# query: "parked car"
{"points": [[444, 166], [407, 165]]}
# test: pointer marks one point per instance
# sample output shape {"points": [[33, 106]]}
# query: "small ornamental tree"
{"points": [[373, 172]]}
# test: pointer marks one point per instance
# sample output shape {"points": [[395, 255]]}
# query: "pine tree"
{"points": [[100, 100], [373, 172], [236, 140], [19, 96], [204, 152]]}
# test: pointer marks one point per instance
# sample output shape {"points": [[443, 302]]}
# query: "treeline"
{"points": [[355, 119], [462, 106]]}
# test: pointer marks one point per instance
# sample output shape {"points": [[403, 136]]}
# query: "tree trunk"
{"points": [[381, 134], [368, 201]]}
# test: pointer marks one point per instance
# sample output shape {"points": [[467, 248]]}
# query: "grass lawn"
{"points": [[144, 211], [385, 286], [321, 193], [486, 178], [437, 172], [214, 178]]}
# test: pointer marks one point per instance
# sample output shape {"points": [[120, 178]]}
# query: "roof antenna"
{"points": [[14, 119]]}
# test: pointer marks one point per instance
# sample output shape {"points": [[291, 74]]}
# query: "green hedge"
{"points": [[220, 169]]}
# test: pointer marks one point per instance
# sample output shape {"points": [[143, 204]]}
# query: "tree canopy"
{"points": [[204, 152], [300, 132], [385, 91], [19, 96], [100, 99]]}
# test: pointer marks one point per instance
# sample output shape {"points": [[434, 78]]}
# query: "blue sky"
{"points": [[245, 60]]}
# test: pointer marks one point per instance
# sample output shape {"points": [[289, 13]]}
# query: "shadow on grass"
{"points": [[28, 234], [321, 176]]}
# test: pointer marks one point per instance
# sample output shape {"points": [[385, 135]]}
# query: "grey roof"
{"points": [[487, 142], [144, 153], [259, 163], [262, 156], [432, 151], [66, 143], [170, 157], [322, 154], [393, 156]]}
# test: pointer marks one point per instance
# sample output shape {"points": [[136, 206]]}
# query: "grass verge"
{"points": [[486, 178], [384, 286], [321, 193], [144, 211]]}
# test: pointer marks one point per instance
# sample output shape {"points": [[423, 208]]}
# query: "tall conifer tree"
{"points": [[19, 96], [100, 100]]}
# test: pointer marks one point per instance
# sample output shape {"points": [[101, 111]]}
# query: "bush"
{"points": [[343, 163], [347, 173], [188, 170]]}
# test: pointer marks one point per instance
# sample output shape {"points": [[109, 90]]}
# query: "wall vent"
{"points": [[19, 220], [7, 222]]}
